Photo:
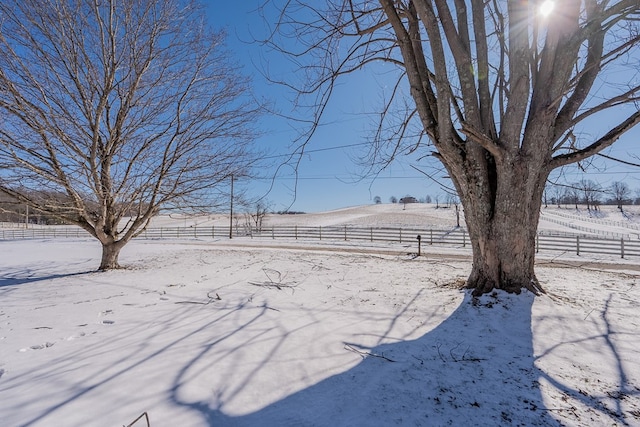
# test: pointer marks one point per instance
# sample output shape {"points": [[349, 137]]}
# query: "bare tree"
{"points": [[591, 192], [119, 108], [621, 193], [572, 194], [454, 200], [556, 192], [499, 94], [377, 200], [257, 215]]}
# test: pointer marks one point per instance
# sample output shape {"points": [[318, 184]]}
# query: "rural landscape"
{"points": [[256, 331], [194, 227]]}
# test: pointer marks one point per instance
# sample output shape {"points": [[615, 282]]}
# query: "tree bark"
{"points": [[110, 254], [502, 219]]}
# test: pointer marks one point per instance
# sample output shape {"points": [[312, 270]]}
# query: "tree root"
{"points": [[535, 287], [486, 285]]}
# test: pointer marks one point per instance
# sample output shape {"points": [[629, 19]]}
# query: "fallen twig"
{"points": [[278, 286], [192, 302], [145, 415], [440, 354], [266, 272], [217, 297], [269, 308], [366, 353], [270, 283]]}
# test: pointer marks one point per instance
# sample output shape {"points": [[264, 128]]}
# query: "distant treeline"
{"points": [[12, 210], [290, 213]]}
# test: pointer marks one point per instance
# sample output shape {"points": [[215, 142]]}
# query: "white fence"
{"points": [[456, 237], [583, 218], [630, 235]]}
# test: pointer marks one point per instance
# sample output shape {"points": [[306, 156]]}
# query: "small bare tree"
{"points": [[257, 215], [591, 192], [116, 109], [556, 192], [621, 193], [454, 200]]}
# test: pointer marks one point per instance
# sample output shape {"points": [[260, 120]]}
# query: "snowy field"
{"points": [[229, 333], [608, 221]]}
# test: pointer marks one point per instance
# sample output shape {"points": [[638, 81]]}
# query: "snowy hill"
{"points": [[607, 221]]}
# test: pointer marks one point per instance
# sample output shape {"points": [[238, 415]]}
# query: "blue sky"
{"points": [[329, 177]]}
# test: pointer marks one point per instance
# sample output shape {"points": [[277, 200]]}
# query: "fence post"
{"points": [[622, 247], [371, 232], [577, 245], [320, 228], [195, 232], [537, 243], [296, 231], [273, 234], [431, 236], [400, 234], [345, 233], [213, 231]]}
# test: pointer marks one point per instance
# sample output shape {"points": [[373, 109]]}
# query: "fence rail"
{"points": [[52, 232], [603, 221], [593, 230], [455, 237]]}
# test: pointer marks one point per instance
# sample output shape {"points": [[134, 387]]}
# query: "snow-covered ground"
{"points": [[231, 333]]}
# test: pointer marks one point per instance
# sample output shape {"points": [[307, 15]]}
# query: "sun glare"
{"points": [[547, 7]]}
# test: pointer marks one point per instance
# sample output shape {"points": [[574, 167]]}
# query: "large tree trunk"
{"points": [[110, 253], [502, 218]]}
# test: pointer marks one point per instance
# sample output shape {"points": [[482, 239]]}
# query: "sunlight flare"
{"points": [[547, 7]]}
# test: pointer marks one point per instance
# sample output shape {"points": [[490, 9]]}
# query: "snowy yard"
{"points": [[208, 334], [276, 333]]}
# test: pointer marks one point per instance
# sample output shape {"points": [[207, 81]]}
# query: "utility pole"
{"points": [[231, 211]]}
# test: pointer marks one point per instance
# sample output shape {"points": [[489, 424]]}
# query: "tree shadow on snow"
{"points": [[475, 368], [614, 395], [32, 277]]}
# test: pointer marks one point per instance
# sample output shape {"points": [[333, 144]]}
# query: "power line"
{"points": [[328, 177], [317, 150]]}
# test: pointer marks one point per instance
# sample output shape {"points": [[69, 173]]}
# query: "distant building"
{"points": [[408, 199]]}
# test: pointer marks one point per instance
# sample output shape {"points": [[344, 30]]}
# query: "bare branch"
{"points": [[116, 109]]}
